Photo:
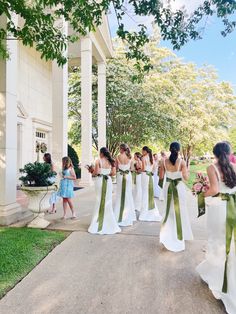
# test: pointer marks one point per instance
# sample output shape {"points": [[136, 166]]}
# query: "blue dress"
{"points": [[66, 189]]}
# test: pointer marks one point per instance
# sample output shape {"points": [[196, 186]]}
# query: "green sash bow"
{"points": [[123, 190], [173, 192], [151, 203], [230, 230], [102, 202]]}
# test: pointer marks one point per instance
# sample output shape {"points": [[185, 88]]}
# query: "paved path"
{"points": [[127, 273]]}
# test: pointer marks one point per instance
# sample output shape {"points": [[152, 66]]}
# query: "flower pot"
{"points": [[39, 203]]}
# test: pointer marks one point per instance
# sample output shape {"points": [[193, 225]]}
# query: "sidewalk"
{"points": [[127, 273]]}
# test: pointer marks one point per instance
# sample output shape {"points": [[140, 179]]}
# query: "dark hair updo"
{"points": [[107, 155], [47, 158], [222, 152], [126, 149], [149, 151], [138, 155], [174, 152]]}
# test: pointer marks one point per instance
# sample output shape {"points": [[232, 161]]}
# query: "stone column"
{"points": [[10, 210], [86, 109], [101, 104], [59, 112]]}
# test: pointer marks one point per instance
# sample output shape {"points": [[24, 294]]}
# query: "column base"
{"points": [[10, 214]]}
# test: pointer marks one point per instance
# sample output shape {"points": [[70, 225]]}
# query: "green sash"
{"points": [[230, 230], [173, 192], [134, 176], [151, 203], [102, 202], [123, 191], [160, 183]]}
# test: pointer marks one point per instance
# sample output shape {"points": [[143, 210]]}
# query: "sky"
{"points": [[213, 49]]}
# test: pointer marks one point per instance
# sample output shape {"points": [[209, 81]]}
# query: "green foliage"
{"points": [[41, 24], [37, 174], [232, 138], [175, 101], [75, 160], [21, 250]]}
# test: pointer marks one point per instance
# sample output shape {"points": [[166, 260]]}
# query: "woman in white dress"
{"points": [[103, 220], [156, 176], [124, 203], [137, 181], [149, 211], [176, 227], [219, 267]]}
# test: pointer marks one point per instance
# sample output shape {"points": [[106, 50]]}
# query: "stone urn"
{"points": [[39, 203]]}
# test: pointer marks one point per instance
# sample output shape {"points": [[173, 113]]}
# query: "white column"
{"points": [[86, 109], [59, 112], [101, 104], [10, 211]]}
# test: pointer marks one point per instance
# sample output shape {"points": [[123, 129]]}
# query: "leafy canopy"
{"points": [[40, 23]]}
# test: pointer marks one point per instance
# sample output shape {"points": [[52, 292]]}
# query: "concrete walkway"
{"points": [[127, 273]]}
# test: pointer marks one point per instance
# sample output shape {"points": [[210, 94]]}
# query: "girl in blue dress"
{"points": [[66, 190]]}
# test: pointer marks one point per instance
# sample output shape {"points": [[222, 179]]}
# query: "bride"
{"points": [[124, 204], [219, 267], [176, 226], [104, 221]]}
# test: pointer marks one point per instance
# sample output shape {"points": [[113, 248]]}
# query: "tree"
{"points": [[232, 138], [131, 113], [38, 23], [175, 101]]}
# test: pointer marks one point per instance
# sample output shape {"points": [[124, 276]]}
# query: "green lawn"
{"points": [[201, 167], [21, 249]]}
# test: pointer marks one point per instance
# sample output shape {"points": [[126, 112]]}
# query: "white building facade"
{"points": [[33, 109]]}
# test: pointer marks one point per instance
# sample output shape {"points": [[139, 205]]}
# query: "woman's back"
{"points": [[173, 171], [124, 162], [105, 166], [223, 188]]}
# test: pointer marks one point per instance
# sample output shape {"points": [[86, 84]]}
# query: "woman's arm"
{"points": [[143, 165], [53, 168], [185, 171], [161, 171], [113, 171], [72, 175], [96, 169], [213, 180]]}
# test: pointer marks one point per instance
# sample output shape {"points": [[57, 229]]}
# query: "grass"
{"points": [[21, 249], [194, 169]]}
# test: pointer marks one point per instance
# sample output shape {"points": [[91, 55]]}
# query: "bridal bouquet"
{"points": [[200, 186]]}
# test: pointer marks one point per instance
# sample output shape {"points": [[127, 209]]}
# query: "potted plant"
{"points": [[38, 184]]}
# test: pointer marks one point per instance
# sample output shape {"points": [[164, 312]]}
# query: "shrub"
{"points": [[37, 174], [193, 163], [75, 160]]}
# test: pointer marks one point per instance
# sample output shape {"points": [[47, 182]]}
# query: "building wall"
{"points": [[34, 95]]}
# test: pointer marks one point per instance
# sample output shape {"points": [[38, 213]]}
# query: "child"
{"points": [[66, 190]]}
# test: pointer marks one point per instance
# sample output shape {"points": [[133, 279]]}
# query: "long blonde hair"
{"points": [[126, 149], [66, 163]]}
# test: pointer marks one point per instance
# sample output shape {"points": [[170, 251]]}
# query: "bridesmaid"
{"points": [[149, 210], [104, 221], [156, 176], [137, 181], [219, 267], [124, 203], [176, 226]]}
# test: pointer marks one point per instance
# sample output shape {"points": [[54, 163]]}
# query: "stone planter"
{"points": [[38, 203]]}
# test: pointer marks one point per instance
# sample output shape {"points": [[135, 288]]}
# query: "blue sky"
{"points": [[213, 49]]}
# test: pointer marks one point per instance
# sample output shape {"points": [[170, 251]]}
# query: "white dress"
{"points": [[212, 268], [137, 190], [156, 180], [103, 220], [148, 214], [124, 203], [168, 233]]}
